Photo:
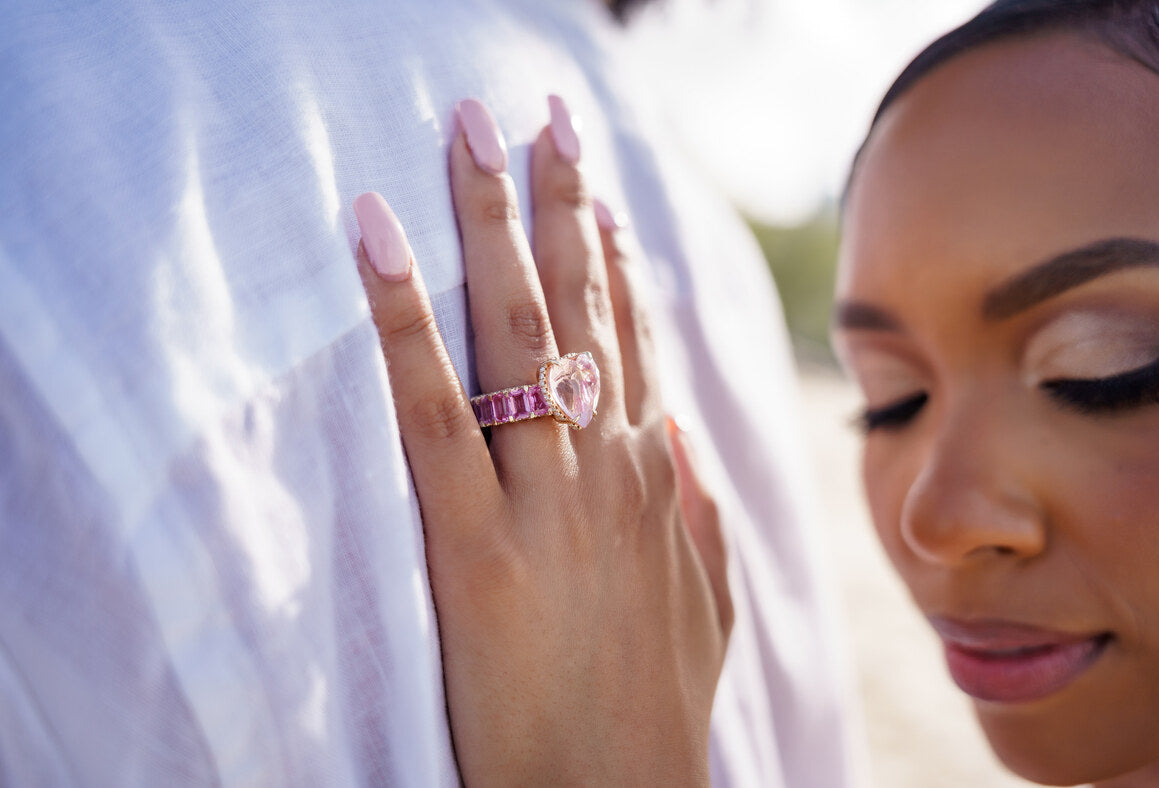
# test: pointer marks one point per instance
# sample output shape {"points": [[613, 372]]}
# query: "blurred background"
{"points": [[772, 98]]}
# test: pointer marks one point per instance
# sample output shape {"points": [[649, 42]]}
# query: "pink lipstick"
{"points": [[1004, 662]]}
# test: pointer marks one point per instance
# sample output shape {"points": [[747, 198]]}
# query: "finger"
{"points": [[438, 427], [569, 258], [513, 335], [703, 521], [633, 328]]}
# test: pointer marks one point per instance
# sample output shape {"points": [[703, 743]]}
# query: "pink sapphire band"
{"points": [[568, 390]]}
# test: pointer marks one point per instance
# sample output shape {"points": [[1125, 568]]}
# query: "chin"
{"points": [[1052, 752]]}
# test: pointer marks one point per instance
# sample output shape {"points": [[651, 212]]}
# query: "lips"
{"points": [[1013, 663]]}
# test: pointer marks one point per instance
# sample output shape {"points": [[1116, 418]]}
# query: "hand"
{"points": [[582, 632]]}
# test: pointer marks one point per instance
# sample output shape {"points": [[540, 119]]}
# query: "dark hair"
{"points": [[1129, 27], [621, 9]]}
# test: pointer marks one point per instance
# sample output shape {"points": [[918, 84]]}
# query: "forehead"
{"points": [[999, 158]]}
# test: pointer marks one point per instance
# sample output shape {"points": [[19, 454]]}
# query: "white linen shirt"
{"points": [[211, 557]]}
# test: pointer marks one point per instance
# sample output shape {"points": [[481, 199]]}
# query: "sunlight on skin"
{"points": [[992, 239]]}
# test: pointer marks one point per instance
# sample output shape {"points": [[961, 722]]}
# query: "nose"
{"points": [[973, 497]]}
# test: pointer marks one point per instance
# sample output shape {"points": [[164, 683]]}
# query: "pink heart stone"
{"points": [[574, 385]]}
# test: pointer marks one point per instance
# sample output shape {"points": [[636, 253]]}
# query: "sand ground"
{"points": [[921, 730]]}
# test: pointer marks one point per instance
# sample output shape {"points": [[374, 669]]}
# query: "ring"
{"points": [[568, 389]]}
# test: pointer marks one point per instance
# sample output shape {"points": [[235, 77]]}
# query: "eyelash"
{"points": [[1132, 389], [893, 416]]}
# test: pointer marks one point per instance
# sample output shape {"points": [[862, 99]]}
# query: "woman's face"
{"points": [[999, 307]]}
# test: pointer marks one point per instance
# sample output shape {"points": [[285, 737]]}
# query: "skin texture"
{"points": [[578, 576], [994, 500]]}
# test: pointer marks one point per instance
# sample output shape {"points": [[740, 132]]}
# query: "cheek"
{"points": [[1103, 502], [1113, 526]]}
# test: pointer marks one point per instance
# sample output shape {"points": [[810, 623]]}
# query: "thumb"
{"points": [[703, 521]]}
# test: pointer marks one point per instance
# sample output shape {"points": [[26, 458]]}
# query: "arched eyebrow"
{"points": [[1048, 279], [860, 316], [1065, 271]]}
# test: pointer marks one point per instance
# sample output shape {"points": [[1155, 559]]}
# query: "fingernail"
{"points": [[677, 424], [383, 237], [564, 130], [484, 139], [680, 439], [606, 219]]}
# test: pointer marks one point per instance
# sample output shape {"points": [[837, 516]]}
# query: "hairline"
{"points": [[977, 33]]}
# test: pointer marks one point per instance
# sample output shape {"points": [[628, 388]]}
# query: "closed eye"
{"points": [[1129, 390], [893, 416]]}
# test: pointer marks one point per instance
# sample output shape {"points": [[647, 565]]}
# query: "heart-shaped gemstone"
{"points": [[573, 383]]}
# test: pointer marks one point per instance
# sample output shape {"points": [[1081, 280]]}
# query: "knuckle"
{"points": [[529, 324], [499, 210], [632, 485], [635, 492], [571, 192], [408, 326], [438, 418], [599, 305]]}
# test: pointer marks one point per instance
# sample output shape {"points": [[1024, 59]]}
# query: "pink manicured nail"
{"points": [[678, 424], [484, 139], [605, 219], [383, 237], [564, 130]]}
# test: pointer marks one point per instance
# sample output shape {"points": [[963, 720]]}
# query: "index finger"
{"points": [[438, 427]]}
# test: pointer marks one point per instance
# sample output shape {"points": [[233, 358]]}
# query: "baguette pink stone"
{"points": [[568, 389], [504, 407]]}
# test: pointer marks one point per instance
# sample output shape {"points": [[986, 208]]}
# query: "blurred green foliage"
{"points": [[803, 259]]}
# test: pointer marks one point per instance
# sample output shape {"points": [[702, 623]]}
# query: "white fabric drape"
{"points": [[211, 560]]}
